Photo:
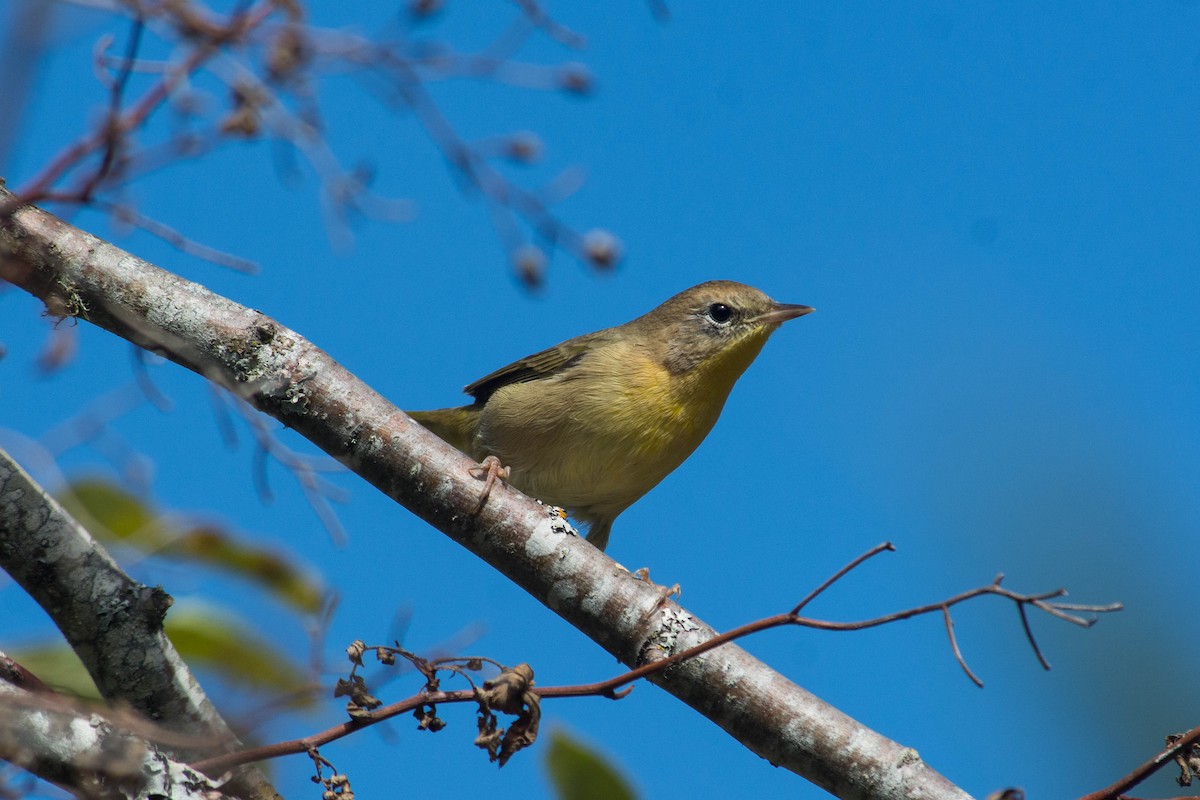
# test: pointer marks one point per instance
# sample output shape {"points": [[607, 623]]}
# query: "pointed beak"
{"points": [[782, 312]]}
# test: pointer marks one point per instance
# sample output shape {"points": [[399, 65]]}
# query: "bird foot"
{"points": [[664, 592], [491, 472]]}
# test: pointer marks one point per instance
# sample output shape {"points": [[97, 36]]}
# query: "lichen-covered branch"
{"points": [[283, 375], [111, 621], [88, 755]]}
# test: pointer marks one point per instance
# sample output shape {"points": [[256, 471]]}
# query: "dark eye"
{"points": [[720, 313]]}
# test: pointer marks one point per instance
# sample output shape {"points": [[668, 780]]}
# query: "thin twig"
{"points": [[142, 359], [1037, 650], [113, 131], [874, 551], [612, 687], [173, 237], [282, 99], [1146, 769], [958, 656], [306, 470], [36, 189]]}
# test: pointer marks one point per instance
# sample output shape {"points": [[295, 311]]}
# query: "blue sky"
{"points": [[994, 210]]}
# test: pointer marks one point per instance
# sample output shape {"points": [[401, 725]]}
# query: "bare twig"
{"points": [[93, 426], [304, 469], [958, 656], [141, 374], [182, 243], [1037, 650], [537, 15], [835, 577], [270, 60], [432, 695], [14, 672], [75, 154], [114, 136], [1148, 768]]}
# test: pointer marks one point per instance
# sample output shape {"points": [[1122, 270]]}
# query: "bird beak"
{"points": [[782, 312]]}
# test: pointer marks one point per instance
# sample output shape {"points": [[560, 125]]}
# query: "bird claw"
{"points": [[664, 592], [490, 471]]}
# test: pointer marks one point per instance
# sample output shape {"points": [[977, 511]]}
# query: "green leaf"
{"points": [[205, 637], [580, 773], [268, 569], [57, 666], [221, 642], [112, 514]]}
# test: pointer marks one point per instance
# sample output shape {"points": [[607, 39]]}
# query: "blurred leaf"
{"points": [[268, 569], [113, 514], [206, 637], [580, 773], [58, 666], [221, 642]]}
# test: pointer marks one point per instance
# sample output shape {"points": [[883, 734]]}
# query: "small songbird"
{"points": [[594, 423]]}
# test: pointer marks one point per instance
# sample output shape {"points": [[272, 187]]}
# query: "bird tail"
{"points": [[456, 426], [599, 531]]}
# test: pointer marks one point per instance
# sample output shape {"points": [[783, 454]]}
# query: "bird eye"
{"points": [[720, 313]]}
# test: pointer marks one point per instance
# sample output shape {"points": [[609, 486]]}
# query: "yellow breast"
{"points": [[600, 435]]}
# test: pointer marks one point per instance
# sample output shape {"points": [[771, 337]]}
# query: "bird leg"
{"points": [[490, 471], [664, 592]]}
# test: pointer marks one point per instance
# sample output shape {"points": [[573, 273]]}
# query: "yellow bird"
{"points": [[594, 423]]}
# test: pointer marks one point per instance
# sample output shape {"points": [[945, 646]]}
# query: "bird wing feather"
{"points": [[538, 366]]}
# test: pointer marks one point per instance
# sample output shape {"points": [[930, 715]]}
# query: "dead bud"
{"points": [[355, 652], [361, 701], [575, 78], [243, 119], [427, 719], [601, 248], [524, 147], [509, 692], [530, 262], [506, 692], [288, 52], [1188, 760], [424, 8]]}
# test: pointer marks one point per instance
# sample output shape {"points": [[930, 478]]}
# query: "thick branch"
{"points": [[111, 621], [292, 380], [88, 754]]}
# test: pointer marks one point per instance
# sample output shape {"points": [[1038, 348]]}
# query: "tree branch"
{"points": [[1180, 745], [88, 755], [368, 710], [111, 621], [283, 375]]}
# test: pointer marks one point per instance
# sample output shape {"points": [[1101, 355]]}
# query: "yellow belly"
{"points": [[595, 443]]}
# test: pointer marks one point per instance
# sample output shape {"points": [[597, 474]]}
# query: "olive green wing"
{"points": [[536, 367]]}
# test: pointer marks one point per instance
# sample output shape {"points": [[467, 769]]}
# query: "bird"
{"points": [[596, 422]]}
